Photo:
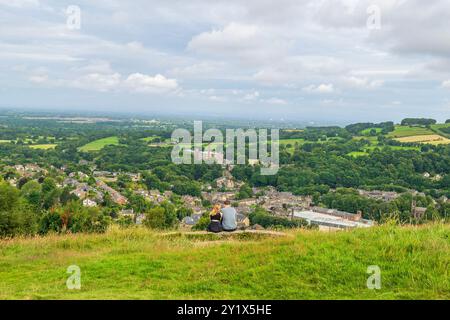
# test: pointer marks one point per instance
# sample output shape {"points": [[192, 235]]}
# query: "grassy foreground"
{"points": [[140, 264]]}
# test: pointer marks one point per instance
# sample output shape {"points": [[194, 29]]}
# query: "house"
{"points": [[78, 174], [89, 203], [115, 195], [336, 213], [70, 182], [417, 212], [135, 177], [242, 221], [81, 190], [218, 197], [379, 195], [331, 221], [127, 213], [224, 182], [140, 219], [282, 203], [191, 220]]}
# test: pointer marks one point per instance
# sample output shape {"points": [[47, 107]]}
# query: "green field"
{"points": [[358, 154], [43, 146], [99, 144], [367, 131], [141, 264], [406, 131], [150, 139]]}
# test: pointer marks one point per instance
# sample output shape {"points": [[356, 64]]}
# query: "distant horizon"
{"points": [[197, 116]]}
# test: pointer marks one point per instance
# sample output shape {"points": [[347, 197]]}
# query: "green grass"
{"points": [[150, 139], [99, 144], [140, 264], [358, 154], [43, 146], [5, 141], [406, 131], [292, 141], [367, 131], [437, 128]]}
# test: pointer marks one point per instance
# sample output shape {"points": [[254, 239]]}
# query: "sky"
{"points": [[309, 60]]}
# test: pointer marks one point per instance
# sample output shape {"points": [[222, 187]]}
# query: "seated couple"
{"points": [[223, 219]]}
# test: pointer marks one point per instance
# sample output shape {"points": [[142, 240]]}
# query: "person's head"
{"points": [[227, 203], [215, 210]]}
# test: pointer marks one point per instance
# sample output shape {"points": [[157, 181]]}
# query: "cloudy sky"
{"points": [[330, 60]]}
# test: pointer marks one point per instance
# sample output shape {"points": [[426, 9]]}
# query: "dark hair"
{"points": [[227, 202]]}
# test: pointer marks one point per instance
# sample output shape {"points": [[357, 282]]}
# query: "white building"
{"points": [[89, 203]]}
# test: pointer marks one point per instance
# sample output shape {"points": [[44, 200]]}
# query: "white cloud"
{"points": [[100, 77], [277, 101], [446, 84], [322, 88], [217, 99], [233, 37], [97, 81], [246, 43], [20, 3], [144, 83], [251, 96], [362, 83], [38, 78]]}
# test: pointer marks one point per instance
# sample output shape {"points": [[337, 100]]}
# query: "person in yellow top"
{"points": [[216, 219]]}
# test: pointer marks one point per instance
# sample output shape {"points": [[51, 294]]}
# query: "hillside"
{"points": [[140, 264]]}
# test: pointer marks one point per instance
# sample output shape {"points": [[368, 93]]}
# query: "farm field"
{"points": [[407, 131], [425, 139], [141, 264], [99, 144], [291, 141], [367, 131], [43, 146]]}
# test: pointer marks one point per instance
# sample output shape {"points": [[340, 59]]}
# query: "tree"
{"points": [[245, 191], [183, 212], [155, 218], [16, 217], [161, 217], [32, 192]]}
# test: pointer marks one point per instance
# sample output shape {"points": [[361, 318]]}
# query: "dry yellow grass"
{"points": [[430, 139]]}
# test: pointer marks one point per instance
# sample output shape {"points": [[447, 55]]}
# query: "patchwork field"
{"points": [[141, 264], [425, 139], [99, 144], [43, 146], [367, 131], [406, 131]]}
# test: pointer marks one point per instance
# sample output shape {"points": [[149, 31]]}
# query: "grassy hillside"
{"points": [[407, 131], [140, 264], [99, 144]]}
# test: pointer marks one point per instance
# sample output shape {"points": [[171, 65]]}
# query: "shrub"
{"points": [[202, 223], [155, 218], [263, 218]]}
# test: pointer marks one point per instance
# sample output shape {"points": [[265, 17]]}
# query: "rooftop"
{"points": [[331, 221]]}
